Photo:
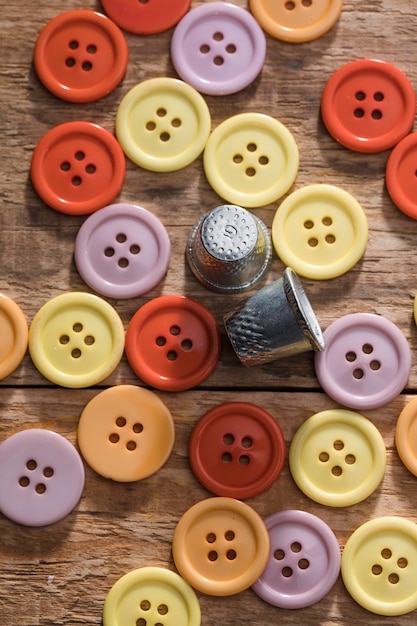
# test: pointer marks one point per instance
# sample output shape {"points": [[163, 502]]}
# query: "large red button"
{"points": [[400, 175], [146, 17], [80, 56], [77, 168], [237, 449], [173, 343], [368, 105]]}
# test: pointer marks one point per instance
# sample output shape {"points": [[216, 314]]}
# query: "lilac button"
{"points": [[218, 48], [366, 363], [304, 560], [41, 477], [122, 251]]}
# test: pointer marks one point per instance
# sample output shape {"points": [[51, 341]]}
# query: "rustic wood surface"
{"points": [[62, 573]]}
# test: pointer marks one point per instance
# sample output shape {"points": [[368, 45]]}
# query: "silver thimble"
{"points": [[229, 249], [275, 322]]}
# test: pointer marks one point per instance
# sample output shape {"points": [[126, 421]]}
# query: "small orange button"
{"points": [[14, 336], [406, 436]]}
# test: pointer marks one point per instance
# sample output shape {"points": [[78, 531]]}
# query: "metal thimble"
{"points": [[275, 322], [229, 249]]}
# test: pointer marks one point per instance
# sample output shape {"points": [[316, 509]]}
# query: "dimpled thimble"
{"points": [[229, 249], [275, 322]]}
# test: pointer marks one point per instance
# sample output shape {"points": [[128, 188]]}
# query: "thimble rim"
{"points": [[302, 309]]}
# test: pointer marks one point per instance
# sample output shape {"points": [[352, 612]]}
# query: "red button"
{"points": [[368, 105], [173, 343], [80, 56], [77, 168], [237, 449], [400, 175], [146, 17]]}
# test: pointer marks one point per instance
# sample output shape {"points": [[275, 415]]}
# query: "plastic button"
{"points": [[77, 168], [237, 449], [173, 343], [378, 565], [76, 340], [220, 546], [80, 56], [304, 560], [41, 477], [296, 21], [400, 175], [151, 595], [126, 433], [337, 457], [406, 436], [146, 17], [368, 105], [251, 159], [366, 363], [320, 231], [14, 335], [163, 124], [218, 48], [122, 251]]}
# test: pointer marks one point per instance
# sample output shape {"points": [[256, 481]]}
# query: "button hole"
{"points": [[279, 554], [212, 555], [287, 572], [87, 66], [91, 49], [121, 421], [211, 538], [73, 44]]}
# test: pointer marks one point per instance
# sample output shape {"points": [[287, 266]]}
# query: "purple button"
{"points": [[366, 363], [304, 560], [218, 48], [41, 477], [122, 251]]}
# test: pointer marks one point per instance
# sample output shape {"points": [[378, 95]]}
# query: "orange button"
{"points": [[126, 433], [14, 335], [80, 56], [400, 175], [173, 343], [406, 436], [77, 168], [220, 546]]}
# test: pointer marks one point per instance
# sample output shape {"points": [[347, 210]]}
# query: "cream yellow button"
{"points": [[337, 457], [126, 433], [251, 159], [13, 334], [163, 124], [76, 339], [321, 231]]}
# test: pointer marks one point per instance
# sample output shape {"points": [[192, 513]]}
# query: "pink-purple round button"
{"points": [[366, 362], [122, 251], [218, 48], [304, 560], [41, 477]]}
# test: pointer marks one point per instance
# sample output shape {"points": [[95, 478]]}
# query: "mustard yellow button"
{"points": [[296, 21], [163, 124], [337, 457], [406, 436], [126, 433], [379, 565], [76, 339], [14, 335], [151, 595], [321, 231], [220, 546], [251, 159]]}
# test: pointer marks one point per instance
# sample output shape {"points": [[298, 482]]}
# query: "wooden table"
{"points": [[62, 573]]}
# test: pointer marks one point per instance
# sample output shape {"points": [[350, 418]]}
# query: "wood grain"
{"points": [[60, 575]]}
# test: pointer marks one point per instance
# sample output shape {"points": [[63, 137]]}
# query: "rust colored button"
{"points": [[77, 168], [146, 17], [80, 56], [400, 175], [173, 343], [237, 449]]}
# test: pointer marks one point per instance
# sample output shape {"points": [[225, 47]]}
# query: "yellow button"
{"points": [[251, 159], [337, 457], [220, 546], [379, 565], [296, 20], [76, 339], [151, 595], [126, 433], [320, 231], [14, 335], [406, 436], [163, 124]]}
